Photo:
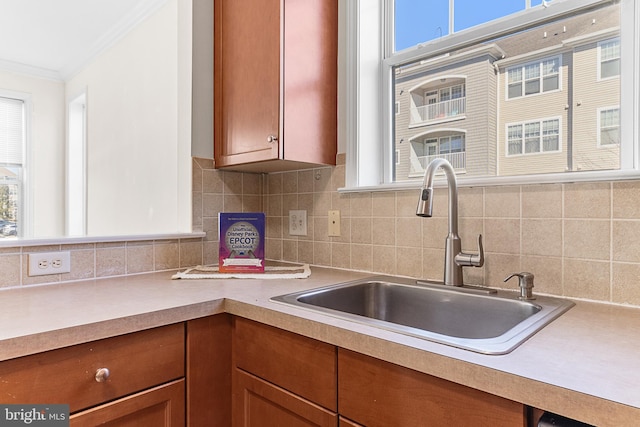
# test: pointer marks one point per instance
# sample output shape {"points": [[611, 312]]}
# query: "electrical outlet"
{"points": [[298, 223], [43, 263], [334, 223]]}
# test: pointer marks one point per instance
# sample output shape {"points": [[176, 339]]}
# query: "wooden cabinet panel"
{"points": [[376, 393], [67, 375], [262, 404], [302, 365], [247, 80], [275, 74], [157, 407], [310, 81], [209, 371]]}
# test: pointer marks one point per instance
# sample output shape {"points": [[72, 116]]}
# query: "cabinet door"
{"points": [[157, 407], [258, 403], [310, 81], [247, 80], [275, 84], [375, 393]]}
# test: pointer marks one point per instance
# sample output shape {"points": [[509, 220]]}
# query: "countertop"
{"points": [[583, 365]]}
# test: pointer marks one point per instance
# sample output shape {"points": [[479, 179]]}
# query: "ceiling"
{"points": [[56, 38]]}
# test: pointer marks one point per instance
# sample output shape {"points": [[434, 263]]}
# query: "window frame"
{"points": [[600, 60], [541, 78], [369, 95], [599, 112], [541, 136]]}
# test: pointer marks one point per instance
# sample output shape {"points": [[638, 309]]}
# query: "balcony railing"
{"points": [[457, 160], [438, 111]]}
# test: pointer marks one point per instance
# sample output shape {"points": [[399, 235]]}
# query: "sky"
{"points": [[418, 21]]}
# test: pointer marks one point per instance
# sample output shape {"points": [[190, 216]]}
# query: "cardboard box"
{"points": [[241, 242]]}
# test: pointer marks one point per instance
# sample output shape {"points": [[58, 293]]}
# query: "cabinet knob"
{"points": [[271, 139], [102, 375]]}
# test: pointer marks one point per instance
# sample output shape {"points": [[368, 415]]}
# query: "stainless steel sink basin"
{"points": [[471, 319]]}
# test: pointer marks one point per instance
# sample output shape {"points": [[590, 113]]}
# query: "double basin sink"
{"points": [[478, 319]]}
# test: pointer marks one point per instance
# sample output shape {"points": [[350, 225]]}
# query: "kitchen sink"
{"points": [[479, 319]]}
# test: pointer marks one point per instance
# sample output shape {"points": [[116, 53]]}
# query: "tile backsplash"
{"points": [[580, 240]]}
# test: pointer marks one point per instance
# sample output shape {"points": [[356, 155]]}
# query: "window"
{"points": [[533, 137], [532, 62], [609, 52], [609, 127], [531, 79], [12, 136]]}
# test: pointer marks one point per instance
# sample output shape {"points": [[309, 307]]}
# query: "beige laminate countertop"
{"points": [[584, 365]]}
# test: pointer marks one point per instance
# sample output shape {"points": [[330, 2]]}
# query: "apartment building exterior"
{"points": [[541, 101]]}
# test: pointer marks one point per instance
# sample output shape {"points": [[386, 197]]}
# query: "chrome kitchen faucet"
{"points": [[454, 258]]}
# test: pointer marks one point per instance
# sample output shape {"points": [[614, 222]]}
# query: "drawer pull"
{"points": [[102, 375]]}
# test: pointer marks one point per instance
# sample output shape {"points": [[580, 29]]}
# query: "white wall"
{"points": [[135, 163]]}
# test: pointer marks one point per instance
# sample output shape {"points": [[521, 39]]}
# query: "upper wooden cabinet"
{"points": [[275, 84]]}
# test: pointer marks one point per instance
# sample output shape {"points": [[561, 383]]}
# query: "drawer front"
{"points": [[301, 365], [68, 375]]}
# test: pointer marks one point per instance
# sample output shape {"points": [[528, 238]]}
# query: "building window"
{"points": [[609, 53], [12, 136], [533, 78], [533, 137], [609, 127]]}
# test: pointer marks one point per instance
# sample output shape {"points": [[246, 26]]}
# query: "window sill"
{"points": [[555, 178]]}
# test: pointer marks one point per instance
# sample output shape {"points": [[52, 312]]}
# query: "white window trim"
{"points": [[599, 67], [599, 125], [368, 98], [541, 78], [523, 123]]}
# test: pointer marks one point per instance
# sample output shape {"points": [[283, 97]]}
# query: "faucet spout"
{"points": [[454, 258]]}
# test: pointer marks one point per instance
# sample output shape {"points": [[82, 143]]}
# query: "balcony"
{"points": [[426, 114], [457, 160]]}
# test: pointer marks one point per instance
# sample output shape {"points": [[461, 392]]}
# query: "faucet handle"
{"points": [[480, 257], [472, 260], [525, 281]]}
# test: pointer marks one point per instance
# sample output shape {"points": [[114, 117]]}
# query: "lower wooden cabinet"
{"points": [[135, 379], [223, 370], [284, 379], [259, 403], [375, 393], [161, 406], [301, 365], [281, 378]]}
